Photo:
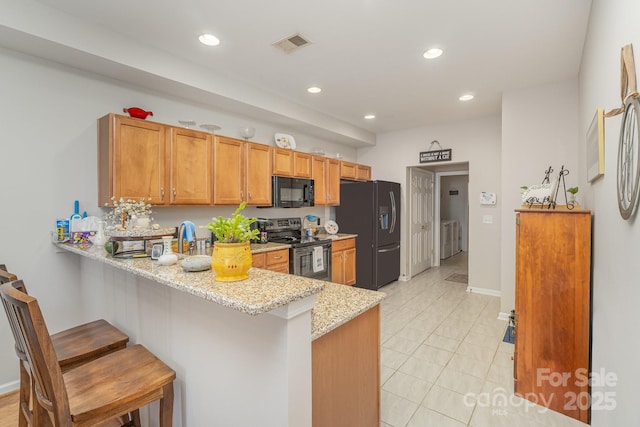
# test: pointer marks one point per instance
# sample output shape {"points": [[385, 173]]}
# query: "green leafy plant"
{"points": [[233, 229], [573, 191]]}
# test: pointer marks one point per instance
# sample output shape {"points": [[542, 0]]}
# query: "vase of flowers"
{"points": [[124, 212], [231, 257]]}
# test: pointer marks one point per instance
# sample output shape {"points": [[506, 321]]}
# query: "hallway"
{"points": [[443, 362]]}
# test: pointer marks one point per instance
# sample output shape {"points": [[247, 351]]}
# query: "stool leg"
{"points": [[24, 396], [135, 418], [166, 406]]}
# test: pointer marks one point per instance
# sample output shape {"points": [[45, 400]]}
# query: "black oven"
{"points": [[311, 260], [292, 192]]}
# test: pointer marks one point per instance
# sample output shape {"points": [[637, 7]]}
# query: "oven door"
{"points": [[303, 262]]}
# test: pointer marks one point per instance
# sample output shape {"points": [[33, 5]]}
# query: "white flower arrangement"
{"points": [[123, 211]]}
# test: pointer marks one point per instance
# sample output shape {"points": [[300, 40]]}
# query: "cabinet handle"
{"points": [[249, 193], [277, 257], [241, 195], [174, 194], [162, 194]]}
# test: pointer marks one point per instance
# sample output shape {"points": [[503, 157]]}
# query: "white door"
{"points": [[421, 218]]}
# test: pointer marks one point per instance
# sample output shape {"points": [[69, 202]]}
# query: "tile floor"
{"points": [[443, 362]]}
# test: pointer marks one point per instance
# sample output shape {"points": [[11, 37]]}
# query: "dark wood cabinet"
{"points": [[552, 312]]}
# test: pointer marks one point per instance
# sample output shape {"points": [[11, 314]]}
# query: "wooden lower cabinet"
{"points": [[346, 374], [552, 314], [277, 260], [343, 261]]}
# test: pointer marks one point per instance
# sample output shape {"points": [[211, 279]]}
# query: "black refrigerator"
{"points": [[372, 211]]}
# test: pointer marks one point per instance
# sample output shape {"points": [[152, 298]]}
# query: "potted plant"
{"points": [[572, 198], [231, 256]]}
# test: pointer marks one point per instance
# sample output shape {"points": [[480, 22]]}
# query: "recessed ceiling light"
{"points": [[433, 53], [370, 117], [209, 39], [467, 97], [314, 89]]}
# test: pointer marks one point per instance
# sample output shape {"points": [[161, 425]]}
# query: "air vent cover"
{"points": [[292, 43]]}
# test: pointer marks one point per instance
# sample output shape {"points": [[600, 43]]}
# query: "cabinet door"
{"points": [[191, 165], [301, 165], [318, 173], [349, 265], [363, 173], [332, 182], [553, 308], [258, 174], [337, 267], [282, 162], [348, 170], [258, 260], [131, 159], [227, 171]]}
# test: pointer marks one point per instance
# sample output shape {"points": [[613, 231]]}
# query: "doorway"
{"points": [[435, 194]]}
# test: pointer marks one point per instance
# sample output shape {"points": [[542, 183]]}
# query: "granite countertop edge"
{"points": [[336, 305]]}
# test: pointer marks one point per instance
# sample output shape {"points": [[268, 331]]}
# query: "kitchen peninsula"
{"points": [[243, 351]]}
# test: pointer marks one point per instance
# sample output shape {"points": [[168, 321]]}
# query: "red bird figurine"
{"points": [[138, 113]]}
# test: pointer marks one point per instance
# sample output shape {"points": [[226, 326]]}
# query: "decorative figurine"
{"points": [[138, 113]]}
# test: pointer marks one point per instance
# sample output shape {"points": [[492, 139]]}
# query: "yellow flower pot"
{"points": [[231, 261]]}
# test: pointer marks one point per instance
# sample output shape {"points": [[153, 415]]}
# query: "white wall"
{"points": [[48, 152], [616, 243], [474, 141], [539, 129]]}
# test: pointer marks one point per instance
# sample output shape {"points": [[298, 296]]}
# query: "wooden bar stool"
{"points": [[108, 387], [73, 347]]}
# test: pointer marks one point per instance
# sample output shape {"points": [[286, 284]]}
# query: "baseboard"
{"points": [[484, 291], [9, 387]]}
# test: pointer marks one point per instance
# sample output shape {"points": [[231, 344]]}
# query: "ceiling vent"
{"points": [[292, 43]]}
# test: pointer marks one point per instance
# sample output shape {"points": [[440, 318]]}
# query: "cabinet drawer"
{"points": [[280, 256], [341, 245]]}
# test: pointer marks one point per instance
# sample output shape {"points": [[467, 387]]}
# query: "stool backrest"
{"points": [[32, 336], [5, 276]]}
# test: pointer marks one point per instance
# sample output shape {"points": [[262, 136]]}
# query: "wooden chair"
{"points": [[108, 387], [73, 347]]}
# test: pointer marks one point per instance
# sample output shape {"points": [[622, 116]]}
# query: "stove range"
{"points": [[308, 256]]}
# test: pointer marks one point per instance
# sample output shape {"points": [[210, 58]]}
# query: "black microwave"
{"points": [[292, 192]]}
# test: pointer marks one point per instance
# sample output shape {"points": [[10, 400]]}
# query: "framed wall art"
{"points": [[595, 147]]}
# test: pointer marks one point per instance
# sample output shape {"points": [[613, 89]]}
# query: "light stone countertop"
{"points": [[257, 248], [264, 290], [338, 236]]}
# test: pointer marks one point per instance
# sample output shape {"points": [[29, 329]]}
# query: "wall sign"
{"points": [[435, 156]]}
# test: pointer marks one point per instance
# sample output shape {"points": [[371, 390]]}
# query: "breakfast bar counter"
{"points": [[234, 345]]}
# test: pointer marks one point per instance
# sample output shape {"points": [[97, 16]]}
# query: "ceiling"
{"points": [[366, 55]]}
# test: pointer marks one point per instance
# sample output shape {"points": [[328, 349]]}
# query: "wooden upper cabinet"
{"points": [[131, 159], [326, 176], [282, 162], [348, 170], [301, 165], [318, 174], [363, 173], [228, 183], [333, 182], [191, 166], [258, 165]]}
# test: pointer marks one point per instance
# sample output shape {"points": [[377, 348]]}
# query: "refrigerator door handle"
{"points": [[393, 212], [395, 248]]}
